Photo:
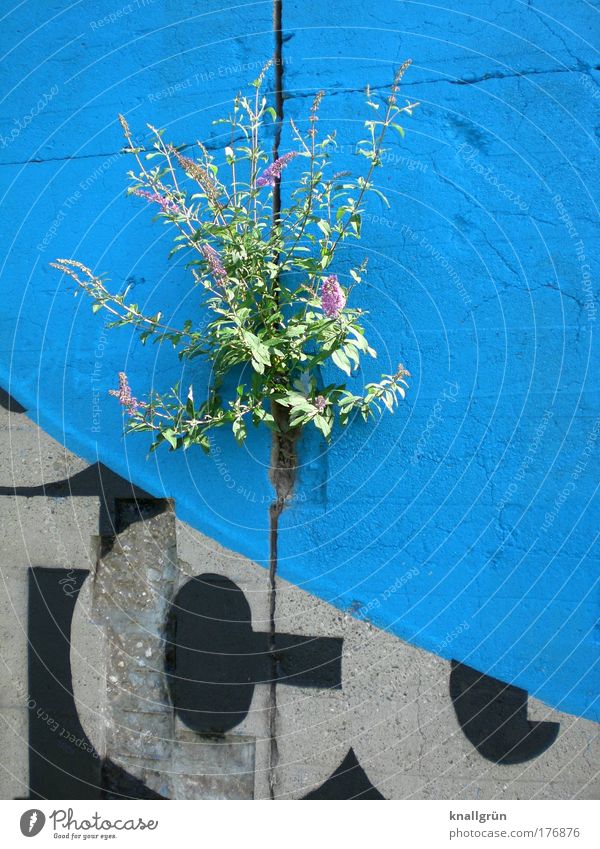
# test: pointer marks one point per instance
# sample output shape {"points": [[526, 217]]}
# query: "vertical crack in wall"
{"points": [[274, 513], [278, 503]]}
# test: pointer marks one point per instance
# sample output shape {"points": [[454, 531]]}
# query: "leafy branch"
{"points": [[273, 315]]}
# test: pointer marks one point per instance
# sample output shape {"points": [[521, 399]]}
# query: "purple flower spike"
{"points": [[165, 204], [126, 399], [333, 299], [273, 172], [214, 263], [320, 403]]}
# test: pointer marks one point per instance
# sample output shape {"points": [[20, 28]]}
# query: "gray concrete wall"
{"points": [[368, 692]]}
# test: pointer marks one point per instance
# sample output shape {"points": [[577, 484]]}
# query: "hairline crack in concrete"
{"points": [[281, 481]]}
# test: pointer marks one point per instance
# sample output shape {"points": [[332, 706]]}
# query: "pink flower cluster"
{"points": [[165, 204], [273, 172], [214, 263], [320, 403], [333, 299], [123, 393]]}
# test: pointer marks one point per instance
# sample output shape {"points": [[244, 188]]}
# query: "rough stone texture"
{"points": [[35, 532], [89, 660], [135, 585], [212, 768], [394, 710], [14, 771], [197, 554], [117, 653]]}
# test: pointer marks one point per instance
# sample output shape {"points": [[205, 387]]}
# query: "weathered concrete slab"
{"points": [[395, 712], [14, 766]]}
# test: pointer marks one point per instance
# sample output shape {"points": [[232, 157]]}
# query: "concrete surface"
{"points": [[482, 279], [393, 707]]}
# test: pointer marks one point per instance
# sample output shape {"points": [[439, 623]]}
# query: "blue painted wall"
{"points": [[464, 524]]}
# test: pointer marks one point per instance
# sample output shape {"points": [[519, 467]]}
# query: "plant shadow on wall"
{"points": [[275, 304]]}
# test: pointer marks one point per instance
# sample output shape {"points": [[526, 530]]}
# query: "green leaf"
{"points": [[294, 398], [342, 362], [298, 417], [355, 222], [352, 354], [169, 436], [324, 227], [348, 400], [380, 195], [323, 424], [239, 430], [189, 407], [259, 352]]}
